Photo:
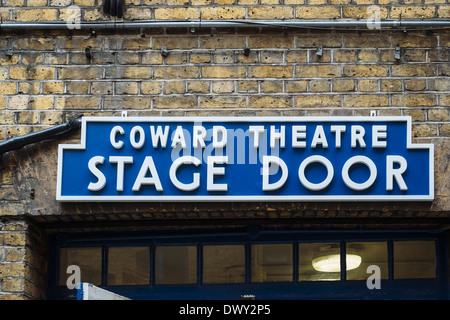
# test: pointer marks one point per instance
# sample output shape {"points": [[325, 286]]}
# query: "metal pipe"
{"points": [[364, 24], [50, 133]]}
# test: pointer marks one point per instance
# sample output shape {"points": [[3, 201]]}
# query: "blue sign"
{"points": [[245, 159]]}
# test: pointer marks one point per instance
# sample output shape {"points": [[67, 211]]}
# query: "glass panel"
{"points": [[361, 255], [319, 261], [176, 265], [414, 259], [271, 262], [224, 264], [128, 265], [88, 259]]}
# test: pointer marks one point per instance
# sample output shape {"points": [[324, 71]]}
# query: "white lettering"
{"points": [[147, 165], [92, 165], [316, 186], [354, 185], [392, 173], [213, 171], [267, 161], [185, 160]]}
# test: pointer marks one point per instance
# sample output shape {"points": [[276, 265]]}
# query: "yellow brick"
{"points": [[444, 11], [319, 12], [270, 102], [409, 70], [18, 102], [296, 86], [343, 85], [176, 13], [368, 85], [79, 102], [41, 102], [272, 86], [176, 72], [52, 87], [223, 72], [423, 130], [29, 87], [281, 41], [222, 13], [369, 56], [438, 115], [415, 114], [270, 71], [367, 40], [278, 12], [362, 12], [319, 85], [200, 58], [78, 87], [51, 117], [2, 103], [224, 86], [222, 42], [182, 102], [318, 71], [28, 117], [174, 87], [35, 14], [152, 87], [198, 87], [137, 13], [415, 85], [219, 102], [344, 55], [7, 88], [391, 85], [444, 130], [296, 56], [18, 73], [135, 72], [366, 71], [366, 100], [175, 42], [317, 101], [414, 100], [413, 12], [80, 73]]}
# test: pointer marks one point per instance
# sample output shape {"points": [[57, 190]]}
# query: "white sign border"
{"points": [[268, 198]]}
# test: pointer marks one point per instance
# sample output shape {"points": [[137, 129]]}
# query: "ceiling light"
{"points": [[331, 261]]}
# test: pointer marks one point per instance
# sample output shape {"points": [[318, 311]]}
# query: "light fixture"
{"points": [[330, 261]]}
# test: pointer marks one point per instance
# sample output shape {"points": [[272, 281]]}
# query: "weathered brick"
{"points": [[414, 100], [365, 100], [269, 13], [176, 13], [222, 13], [152, 87], [366, 70], [223, 72], [319, 12], [219, 102], [413, 12], [413, 70], [318, 71], [182, 102], [270, 71], [270, 102], [35, 14], [317, 101], [176, 72], [8, 88]]}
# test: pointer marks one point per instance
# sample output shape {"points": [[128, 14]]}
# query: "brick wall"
{"points": [[49, 80]]}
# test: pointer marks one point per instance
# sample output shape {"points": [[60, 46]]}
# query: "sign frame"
{"points": [[256, 198]]}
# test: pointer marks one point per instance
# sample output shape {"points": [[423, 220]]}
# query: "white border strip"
{"points": [[225, 198]]}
